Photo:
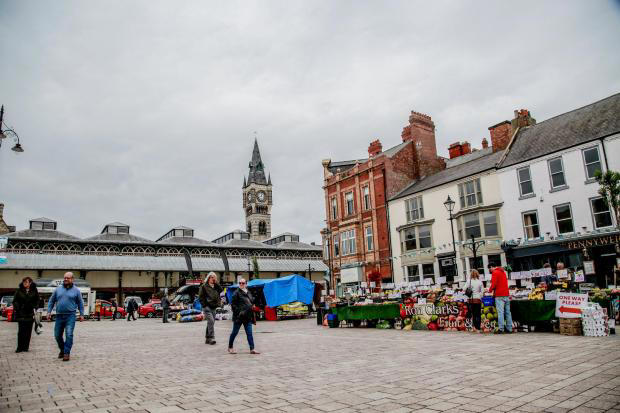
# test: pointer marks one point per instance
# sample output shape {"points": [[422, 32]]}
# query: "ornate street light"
{"points": [[8, 132], [449, 204]]}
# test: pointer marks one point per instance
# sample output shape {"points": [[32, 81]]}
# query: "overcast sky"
{"points": [[144, 111]]}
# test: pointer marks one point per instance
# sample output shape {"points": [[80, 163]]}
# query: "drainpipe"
{"points": [[389, 235]]}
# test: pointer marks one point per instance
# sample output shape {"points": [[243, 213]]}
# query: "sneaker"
{"points": [[61, 355], [254, 352], [499, 332], [66, 357]]}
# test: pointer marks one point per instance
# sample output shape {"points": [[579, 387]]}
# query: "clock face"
{"points": [[261, 196], [250, 197]]}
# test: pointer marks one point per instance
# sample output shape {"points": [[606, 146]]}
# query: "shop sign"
{"points": [[569, 305], [579, 276], [588, 266], [562, 274], [551, 295], [593, 242]]}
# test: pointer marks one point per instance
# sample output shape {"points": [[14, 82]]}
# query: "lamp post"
{"points": [[449, 204], [328, 238], [5, 133]]}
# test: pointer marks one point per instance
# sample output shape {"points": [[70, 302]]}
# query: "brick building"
{"points": [[356, 240]]}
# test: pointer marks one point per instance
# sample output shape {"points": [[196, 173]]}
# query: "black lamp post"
{"points": [[9, 132], [328, 240], [449, 204]]}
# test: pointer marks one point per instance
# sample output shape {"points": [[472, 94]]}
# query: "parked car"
{"points": [[151, 309], [107, 308], [135, 297], [6, 301]]}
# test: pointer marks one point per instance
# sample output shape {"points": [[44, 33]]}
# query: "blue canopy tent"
{"points": [[280, 291]]}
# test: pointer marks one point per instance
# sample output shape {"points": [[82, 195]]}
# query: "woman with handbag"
{"points": [[243, 314], [474, 290], [25, 303]]}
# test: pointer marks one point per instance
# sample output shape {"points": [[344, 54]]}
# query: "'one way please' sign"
{"points": [[569, 305]]}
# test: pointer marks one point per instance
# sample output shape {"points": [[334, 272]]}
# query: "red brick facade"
{"points": [[384, 174]]}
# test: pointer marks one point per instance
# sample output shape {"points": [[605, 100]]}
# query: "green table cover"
{"points": [[368, 312], [530, 311]]}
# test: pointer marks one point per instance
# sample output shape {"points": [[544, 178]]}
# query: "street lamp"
{"points": [[449, 204], [8, 132]]}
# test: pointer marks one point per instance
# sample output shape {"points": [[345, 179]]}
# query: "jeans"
{"points": [[247, 326], [64, 323], [210, 317], [503, 311], [475, 312], [165, 315]]}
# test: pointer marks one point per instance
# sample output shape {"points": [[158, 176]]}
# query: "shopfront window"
{"points": [[472, 225], [600, 213], [428, 270], [413, 273], [564, 219], [530, 225], [495, 260], [476, 265]]}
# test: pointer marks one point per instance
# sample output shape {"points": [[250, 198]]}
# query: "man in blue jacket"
{"points": [[67, 299]]}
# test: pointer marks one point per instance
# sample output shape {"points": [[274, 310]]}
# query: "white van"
{"points": [[46, 288]]}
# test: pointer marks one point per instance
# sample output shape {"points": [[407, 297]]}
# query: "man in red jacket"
{"points": [[499, 288]]}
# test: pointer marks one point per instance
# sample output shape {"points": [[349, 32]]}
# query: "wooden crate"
{"points": [[570, 322], [571, 331]]}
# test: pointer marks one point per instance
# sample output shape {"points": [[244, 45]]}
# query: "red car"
{"points": [[8, 313], [107, 309], [150, 309]]}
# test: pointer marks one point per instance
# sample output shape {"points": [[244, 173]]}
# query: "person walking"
{"points": [[209, 296], [475, 298], [25, 303], [242, 303], [114, 307], [67, 298], [499, 288], [132, 306], [165, 306]]}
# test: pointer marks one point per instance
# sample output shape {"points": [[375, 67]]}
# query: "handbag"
{"points": [[468, 291]]}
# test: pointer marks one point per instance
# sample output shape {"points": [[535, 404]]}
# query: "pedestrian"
{"points": [[98, 309], [499, 288], [67, 298], [209, 296], [132, 306], [243, 314], [25, 303], [550, 278], [165, 306], [475, 299], [114, 308]]}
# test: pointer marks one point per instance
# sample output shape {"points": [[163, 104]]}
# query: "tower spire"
{"points": [[257, 169]]}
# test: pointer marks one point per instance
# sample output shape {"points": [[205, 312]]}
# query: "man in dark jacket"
{"points": [[132, 306], [25, 302], [243, 314], [209, 297], [165, 306]]}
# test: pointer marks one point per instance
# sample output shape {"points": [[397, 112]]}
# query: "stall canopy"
{"points": [[280, 291]]}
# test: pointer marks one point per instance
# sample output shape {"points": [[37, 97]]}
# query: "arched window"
{"points": [[250, 227], [262, 228]]}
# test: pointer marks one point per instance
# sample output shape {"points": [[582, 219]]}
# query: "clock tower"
{"points": [[257, 200]]}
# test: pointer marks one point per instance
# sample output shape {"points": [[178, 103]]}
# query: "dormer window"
{"points": [[116, 229], [43, 224]]}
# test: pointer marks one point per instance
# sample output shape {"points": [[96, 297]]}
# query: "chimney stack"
{"points": [[374, 148], [455, 150], [500, 135], [465, 148]]}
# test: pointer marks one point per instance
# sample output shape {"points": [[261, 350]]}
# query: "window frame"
{"points": [[418, 275], [366, 197], [424, 275], [592, 213], [477, 213], [419, 208], [334, 208], [529, 172], [564, 185], [347, 238], [585, 164], [555, 217], [535, 212], [346, 201], [336, 245], [370, 246], [484, 227], [477, 193], [404, 239]]}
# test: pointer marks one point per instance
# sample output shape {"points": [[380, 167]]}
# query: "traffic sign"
{"points": [[569, 305]]}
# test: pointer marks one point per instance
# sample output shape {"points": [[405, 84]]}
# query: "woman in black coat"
{"points": [[25, 302], [243, 315]]}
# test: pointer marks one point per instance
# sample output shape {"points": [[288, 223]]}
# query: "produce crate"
{"points": [[570, 327], [570, 322]]}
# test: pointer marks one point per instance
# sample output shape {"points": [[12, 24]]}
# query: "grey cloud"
{"points": [[144, 112]]}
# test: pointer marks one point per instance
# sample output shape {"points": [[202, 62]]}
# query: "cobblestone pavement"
{"points": [[150, 366]]}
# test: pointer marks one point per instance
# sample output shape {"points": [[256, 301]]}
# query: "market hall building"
{"points": [[117, 263]]}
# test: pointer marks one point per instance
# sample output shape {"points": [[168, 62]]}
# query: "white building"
{"points": [[550, 195], [420, 229]]}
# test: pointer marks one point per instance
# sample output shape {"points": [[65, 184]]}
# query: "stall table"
{"points": [[528, 312], [368, 312]]}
